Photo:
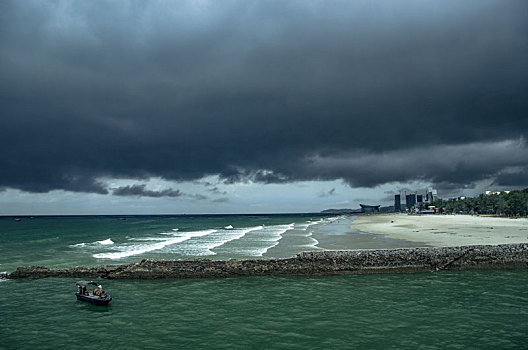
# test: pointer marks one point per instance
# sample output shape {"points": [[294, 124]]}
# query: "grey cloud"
{"points": [[198, 197], [514, 178], [267, 91], [220, 200], [215, 190], [142, 191], [329, 193], [454, 164]]}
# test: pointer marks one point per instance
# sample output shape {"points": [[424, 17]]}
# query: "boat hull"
{"points": [[94, 300]]}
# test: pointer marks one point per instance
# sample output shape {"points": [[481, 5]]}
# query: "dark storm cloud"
{"points": [[514, 178], [368, 91], [448, 165], [142, 191]]}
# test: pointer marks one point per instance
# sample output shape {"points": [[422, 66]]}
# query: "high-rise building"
{"points": [[431, 194], [410, 201], [397, 203], [419, 198]]}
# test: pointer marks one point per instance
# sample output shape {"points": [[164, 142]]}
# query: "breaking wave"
{"points": [[228, 241], [106, 242], [137, 249]]}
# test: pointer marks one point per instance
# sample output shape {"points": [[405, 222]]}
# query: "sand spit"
{"points": [[446, 230], [407, 260]]}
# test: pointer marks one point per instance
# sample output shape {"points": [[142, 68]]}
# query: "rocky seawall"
{"points": [[409, 260]]}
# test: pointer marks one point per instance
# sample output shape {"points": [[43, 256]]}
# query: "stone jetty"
{"points": [[408, 260]]}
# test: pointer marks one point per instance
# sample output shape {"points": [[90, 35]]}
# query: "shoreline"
{"points": [[445, 230], [342, 235], [315, 263]]}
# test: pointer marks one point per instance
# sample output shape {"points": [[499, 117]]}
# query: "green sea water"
{"points": [[61, 242], [66, 241], [446, 310], [441, 310]]}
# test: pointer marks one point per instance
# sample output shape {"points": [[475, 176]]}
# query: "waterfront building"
{"points": [[431, 193], [489, 193], [397, 203], [410, 201], [369, 208]]}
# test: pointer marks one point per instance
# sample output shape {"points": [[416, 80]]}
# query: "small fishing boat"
{"points": [[95, 295]]}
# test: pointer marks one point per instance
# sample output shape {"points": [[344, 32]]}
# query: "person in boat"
{"points": [[82, 290], [95, 296], [100, 292]]}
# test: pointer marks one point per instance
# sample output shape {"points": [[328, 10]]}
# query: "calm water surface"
{"points": [[447, 310]]}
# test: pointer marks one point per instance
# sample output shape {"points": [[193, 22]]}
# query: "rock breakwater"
{"points": [[408, 260]]}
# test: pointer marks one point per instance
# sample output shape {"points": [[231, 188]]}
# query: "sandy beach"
{"points": [[445, 230]]}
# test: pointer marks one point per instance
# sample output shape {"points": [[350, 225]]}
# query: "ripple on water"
{"points": [[475, 309]]}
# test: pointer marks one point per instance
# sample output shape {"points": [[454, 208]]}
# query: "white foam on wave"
{"points": [[270, 237], [136, 249], [334, 218], [323, 221], [308, 223], [313, 242], [202, 246], [171, 233], [229, 236], [106, 242], [230, 227], [147, 239]]}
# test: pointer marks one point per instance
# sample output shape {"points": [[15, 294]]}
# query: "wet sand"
{"points": [[341, 234], [445, 230]]}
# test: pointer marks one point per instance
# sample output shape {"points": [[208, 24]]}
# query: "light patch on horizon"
{"points": [[248, 198]]}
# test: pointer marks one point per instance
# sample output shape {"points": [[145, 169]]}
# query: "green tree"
{"points": [[514, 203]]}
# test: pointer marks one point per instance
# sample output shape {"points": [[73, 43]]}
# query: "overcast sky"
{"points": [[258, 106]]}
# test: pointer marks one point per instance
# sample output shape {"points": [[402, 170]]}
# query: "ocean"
{"points": [[68, 241], [441, 310]]}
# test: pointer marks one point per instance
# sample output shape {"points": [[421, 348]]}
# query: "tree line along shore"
{"points": [[509, 203]]}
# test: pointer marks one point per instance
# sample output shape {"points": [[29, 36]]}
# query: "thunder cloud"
{"points": [[371, 92]]}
